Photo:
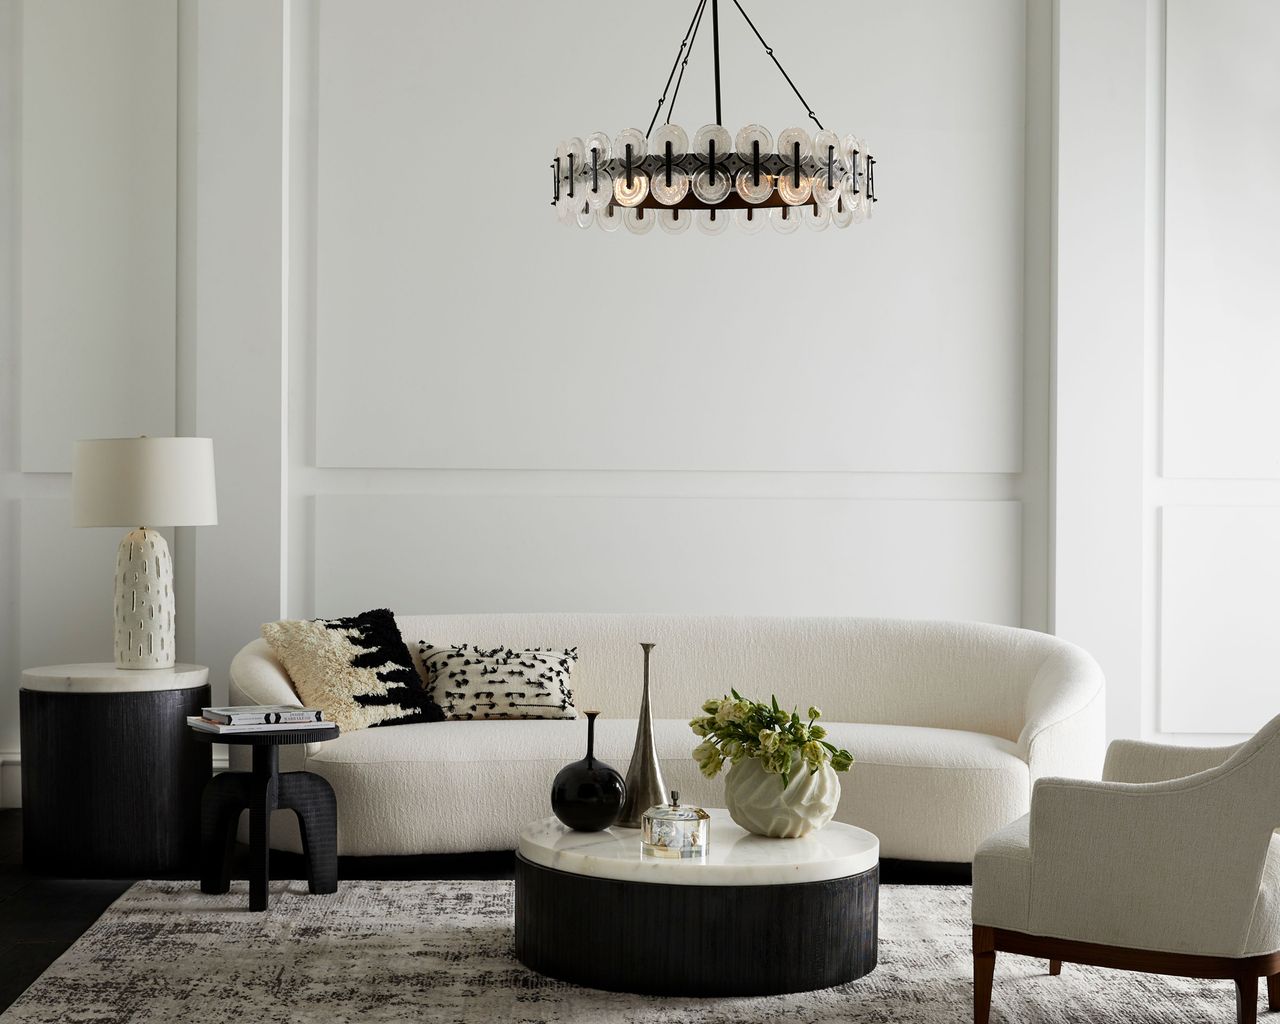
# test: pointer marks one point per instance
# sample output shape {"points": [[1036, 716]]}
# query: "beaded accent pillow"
{"points": [[356, 669], [471, 682]]}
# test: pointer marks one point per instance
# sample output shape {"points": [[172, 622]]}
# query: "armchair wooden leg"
{"points": [[984, 970], [1273, 992], [1247, 1000], [1055, 967]]}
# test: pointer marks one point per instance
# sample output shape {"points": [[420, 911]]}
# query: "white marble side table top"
{"points": [[104, 677]]}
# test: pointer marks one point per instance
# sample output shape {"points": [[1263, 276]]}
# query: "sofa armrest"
{"points": [[1135, 761], [258, 677], [1065, 717]]}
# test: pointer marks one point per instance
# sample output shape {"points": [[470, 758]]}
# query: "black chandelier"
{"points": [[640, 179]]}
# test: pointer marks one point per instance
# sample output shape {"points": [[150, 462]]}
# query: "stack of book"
{"points": [[257, 718]]}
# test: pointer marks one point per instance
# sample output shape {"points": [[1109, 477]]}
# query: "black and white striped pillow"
{"points": [[471, 682]]}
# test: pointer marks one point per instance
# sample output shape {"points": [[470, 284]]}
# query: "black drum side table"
{"points": [[110, 784], [262, 791]]}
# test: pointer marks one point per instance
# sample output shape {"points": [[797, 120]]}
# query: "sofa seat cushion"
{"points": [[453, 787], [929, 794], [459, 786]]}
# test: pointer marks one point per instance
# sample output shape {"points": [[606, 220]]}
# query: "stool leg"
{"points": [[224, 797], [311, 797], [262, 802]]}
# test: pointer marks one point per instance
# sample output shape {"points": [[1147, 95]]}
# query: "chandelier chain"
{"points": [[686, 43], [680, 80], [769, 50]]}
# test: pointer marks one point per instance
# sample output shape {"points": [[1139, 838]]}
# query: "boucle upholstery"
{"points": [[950, 724], [1185, 864]]}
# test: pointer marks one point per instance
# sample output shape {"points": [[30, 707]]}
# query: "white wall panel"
{"points": [[98, 153], [458, 325], [10, 461], [1099, 311], [240, 314], [1220, 603], [717, 555], [1222, 264]]}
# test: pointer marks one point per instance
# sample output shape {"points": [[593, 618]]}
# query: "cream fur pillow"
{"points": [[357, 670]]}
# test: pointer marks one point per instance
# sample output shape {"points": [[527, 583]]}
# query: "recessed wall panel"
{"points": [[98, 153], [459, 325], [423, 553], [1222, 218], [1220, 602]]}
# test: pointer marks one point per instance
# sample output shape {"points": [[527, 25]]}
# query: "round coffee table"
{"points": [[759, 917]]}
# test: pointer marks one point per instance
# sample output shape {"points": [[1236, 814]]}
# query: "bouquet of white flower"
{"points": [[736, 727]]}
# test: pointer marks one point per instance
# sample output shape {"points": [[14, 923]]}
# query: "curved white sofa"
{"points": [[950, 724]]}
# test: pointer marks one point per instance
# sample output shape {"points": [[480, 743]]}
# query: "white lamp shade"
{"points": [[143, 481]]}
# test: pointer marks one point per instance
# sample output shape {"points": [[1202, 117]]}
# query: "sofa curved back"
{"points": [[954, 675]]}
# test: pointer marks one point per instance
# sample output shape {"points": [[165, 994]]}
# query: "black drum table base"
{"points": [[695, 940], [110, 782]]}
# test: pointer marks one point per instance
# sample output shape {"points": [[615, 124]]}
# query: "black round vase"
{"points": [[587, 795]]}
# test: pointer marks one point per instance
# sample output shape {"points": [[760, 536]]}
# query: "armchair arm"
{"points": [[1173, 866], [1065, 716], [1136, 761]]}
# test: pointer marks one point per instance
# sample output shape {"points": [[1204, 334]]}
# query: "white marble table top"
{"points": [[734, 856], [104, 677]]}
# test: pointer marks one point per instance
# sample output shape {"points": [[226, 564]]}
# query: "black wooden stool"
{"points": [[262, 791]]}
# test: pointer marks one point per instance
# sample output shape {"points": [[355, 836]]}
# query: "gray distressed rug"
{"points": [[441, 952]]}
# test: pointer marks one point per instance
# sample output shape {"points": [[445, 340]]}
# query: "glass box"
{"points": [[675, 832]]}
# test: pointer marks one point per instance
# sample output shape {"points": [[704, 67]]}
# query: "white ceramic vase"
{"points": [[759, 803]]}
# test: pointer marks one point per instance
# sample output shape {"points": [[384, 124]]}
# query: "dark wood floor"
{"points": [[40, 917]]}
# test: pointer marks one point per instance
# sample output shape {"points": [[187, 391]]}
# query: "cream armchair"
{"points": [[1170, 865]]}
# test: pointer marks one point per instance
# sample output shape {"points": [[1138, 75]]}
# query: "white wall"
{"points": [[1099, 307], [12, 482], [861, 429], [1216, 460], [490, 410], [237, 271], [459, 404], [87, 303], [1167, 353]]}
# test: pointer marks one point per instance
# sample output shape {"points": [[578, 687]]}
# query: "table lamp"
{"points": [[156, 481]]}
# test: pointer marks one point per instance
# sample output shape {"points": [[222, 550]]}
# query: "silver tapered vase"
{"points": [[645, 787]]}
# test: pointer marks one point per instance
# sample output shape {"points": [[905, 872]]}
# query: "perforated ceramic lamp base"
{"points": [[144, 603]]}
